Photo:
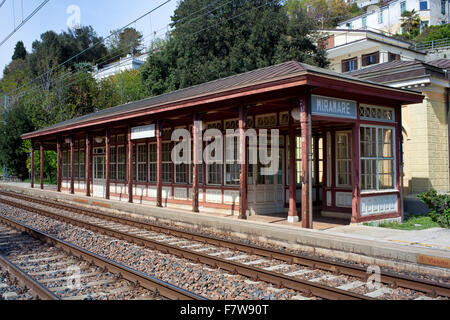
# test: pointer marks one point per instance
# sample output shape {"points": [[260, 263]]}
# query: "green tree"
{"points": [[15, 123], [127, 41], [410, 24], [434, 33], [238, 37], [19, 52]]}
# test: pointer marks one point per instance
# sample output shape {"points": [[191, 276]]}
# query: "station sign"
{"points": [[143, 132], [332, 107]]}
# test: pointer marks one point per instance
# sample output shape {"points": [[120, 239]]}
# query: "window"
{"points": [[232, 167], [320, 160], [402, 7], [181, 170], [443, 2], [76, 169], [141, 162], [65, 165], [200, 169], [423, 5], [350, 26], [82, 164], [298, 160], [350, 64], [377, 158], [121, 163], [167, 162], [113, 163], [393, 57], [343, 159], [423, 24], [364, 22], [152, 157], [369, 59], [380, 16]]}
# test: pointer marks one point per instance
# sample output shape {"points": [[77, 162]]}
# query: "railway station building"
{"points": [[340, 147]]}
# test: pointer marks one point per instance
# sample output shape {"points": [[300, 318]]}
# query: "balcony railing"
{"points": [[433, 44]]}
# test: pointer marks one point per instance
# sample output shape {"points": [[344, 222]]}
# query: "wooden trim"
{"points": [[130, 166], [58, 164], [356, 192], [87, 164], [108, 160], [292, 173], [243, 187], [41, 148], [159, 184], [305, 123]]}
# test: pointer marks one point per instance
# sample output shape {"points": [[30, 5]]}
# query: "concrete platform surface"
{"points": [[355, 242]]}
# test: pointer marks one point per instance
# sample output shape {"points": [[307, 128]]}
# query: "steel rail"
{"points": [[163, 288], [431, 288], [40, 290], [307, 287]]}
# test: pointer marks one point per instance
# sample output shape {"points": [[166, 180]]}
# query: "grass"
{"points": [[411, 222]]}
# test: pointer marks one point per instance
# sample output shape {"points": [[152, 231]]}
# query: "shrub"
{"points": [[439, 204]]}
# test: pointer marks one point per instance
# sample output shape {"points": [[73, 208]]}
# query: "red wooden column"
{"points": [[72, 167], [130, 167], [356, 194], [108, 159], [58, 164], [305, 122], [32, 164], [293, 214], [195, 136], [159, 163], [243, 201], [88, 166], [42, 165]]}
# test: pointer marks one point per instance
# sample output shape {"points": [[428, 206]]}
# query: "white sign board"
{"points": [[143, 132]]}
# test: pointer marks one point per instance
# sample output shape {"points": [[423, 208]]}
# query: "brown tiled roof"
{"points": [[383, 66], [281, 71], [440, 63]]}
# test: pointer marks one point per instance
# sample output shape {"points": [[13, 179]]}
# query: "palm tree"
{"points": [[410, 22]]}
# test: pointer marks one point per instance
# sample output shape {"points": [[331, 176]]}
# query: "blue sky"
{"points": [[102, 15]]}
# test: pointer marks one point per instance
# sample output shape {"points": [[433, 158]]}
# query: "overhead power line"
{"points": [[24, 21], [2, 3]]}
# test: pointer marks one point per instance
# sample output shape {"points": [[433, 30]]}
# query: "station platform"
{"points": [[425, 251]]}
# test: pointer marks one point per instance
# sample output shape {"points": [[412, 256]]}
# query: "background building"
{"points": [[124, 64], [387, 18], [350, 50]]}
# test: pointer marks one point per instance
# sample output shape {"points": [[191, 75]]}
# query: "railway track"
{"points": [[56, 270], [282, 269]]}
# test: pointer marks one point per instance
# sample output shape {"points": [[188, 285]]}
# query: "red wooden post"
{"points": [[32, 164], [130, 167], [195, 136], [72, 167], [42, 165], [88, 166], [243, 201], [108, 160], [159, 163], [356, 198], [305, 122], [58, 164], [293, 214]]}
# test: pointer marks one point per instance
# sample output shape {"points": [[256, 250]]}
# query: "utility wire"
{"points": [[24, 21], [93, 45], [2, 3], [102, 60], [150, 52]]}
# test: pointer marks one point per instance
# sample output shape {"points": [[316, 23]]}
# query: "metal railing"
{"points": [[433, 44]]}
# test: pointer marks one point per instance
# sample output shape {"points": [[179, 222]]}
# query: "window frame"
{"points": [[366, 57], [378, 158], [345, 61], [141, 164], [348, 159]]}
